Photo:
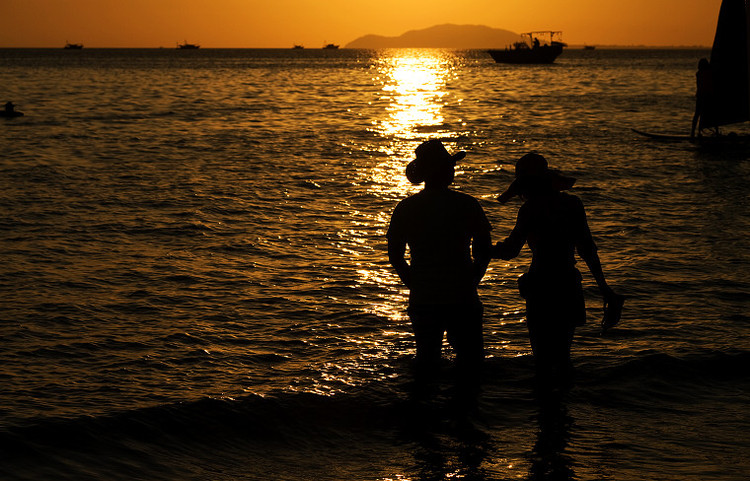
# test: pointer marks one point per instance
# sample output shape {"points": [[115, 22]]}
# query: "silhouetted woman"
{"points": [[554, 225]]}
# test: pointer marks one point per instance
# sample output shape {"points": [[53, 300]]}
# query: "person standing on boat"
{"points": [[554, 225], [449, 242], [702, 92], [10, 111]]}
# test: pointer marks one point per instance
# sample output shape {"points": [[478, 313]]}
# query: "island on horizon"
{"points": [[471, 37], [447, 36], [441, 36]]}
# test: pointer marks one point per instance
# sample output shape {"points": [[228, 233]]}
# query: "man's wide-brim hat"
{"points": [[432, 156], [534, 167]]}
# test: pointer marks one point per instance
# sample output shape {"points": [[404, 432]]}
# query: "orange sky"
{"points": [[281, 23]]}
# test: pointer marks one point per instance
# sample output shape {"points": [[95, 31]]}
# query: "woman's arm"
{"points": [[587, 249], [512, 245]]}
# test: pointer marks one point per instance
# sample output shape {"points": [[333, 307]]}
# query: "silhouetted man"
{"points": [[449, 243], [702, 92], [554, 224]]}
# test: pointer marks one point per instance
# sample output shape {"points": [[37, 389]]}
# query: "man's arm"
{"points": [[481, 247], [397, 258], [511, 246]]}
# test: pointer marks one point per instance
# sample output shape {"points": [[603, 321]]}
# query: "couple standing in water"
{"points": [[450, 248]]}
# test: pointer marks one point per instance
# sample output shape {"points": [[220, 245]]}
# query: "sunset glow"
{"points": [[255, 239], [413, 95], [282, 23]]}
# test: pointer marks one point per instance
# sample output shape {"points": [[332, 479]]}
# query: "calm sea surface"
{"points": [[194, 280]]}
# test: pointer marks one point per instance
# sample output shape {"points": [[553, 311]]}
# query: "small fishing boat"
{"points": [[73, 46], [188, 46], [330, 46], [298, 47], [532, 50]]}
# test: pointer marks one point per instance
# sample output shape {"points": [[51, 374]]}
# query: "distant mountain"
{"points": [[442, 36]]}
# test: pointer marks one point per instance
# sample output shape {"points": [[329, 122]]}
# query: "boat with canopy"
{"points": [[532, 50]]}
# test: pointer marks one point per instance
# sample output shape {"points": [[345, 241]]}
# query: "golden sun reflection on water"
{"points": [[415, 85]]}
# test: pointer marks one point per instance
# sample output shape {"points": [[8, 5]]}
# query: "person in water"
{"points": [[449, 242], [554, 225], [10, 111], [702, 92]]}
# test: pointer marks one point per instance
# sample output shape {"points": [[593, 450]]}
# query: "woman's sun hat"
{"points": [[533, 169]]}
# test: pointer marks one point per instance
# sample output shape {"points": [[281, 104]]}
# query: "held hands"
{"points": [[499, 251], [495, 251]]}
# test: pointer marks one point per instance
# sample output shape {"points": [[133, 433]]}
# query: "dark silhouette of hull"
{"points": [[708, 140], [543, 54], [73, 46]]}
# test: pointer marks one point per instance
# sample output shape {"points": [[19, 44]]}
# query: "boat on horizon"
{"points": [[330, 46], [531, 50], [298, 47], [589, 47], [188, 46], [73, 46]]}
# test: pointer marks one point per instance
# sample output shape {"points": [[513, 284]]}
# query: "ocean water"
{"points": [[194, 280]]}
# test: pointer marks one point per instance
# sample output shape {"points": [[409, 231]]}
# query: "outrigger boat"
{"points": [[532, 50]]}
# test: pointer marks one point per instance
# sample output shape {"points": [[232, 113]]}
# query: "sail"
{"points": [[730, 83]]}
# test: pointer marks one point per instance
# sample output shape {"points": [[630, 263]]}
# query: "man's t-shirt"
{"points": [[438, 227]]}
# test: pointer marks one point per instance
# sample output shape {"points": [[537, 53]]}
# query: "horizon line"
{"points": [[575, 45]]}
